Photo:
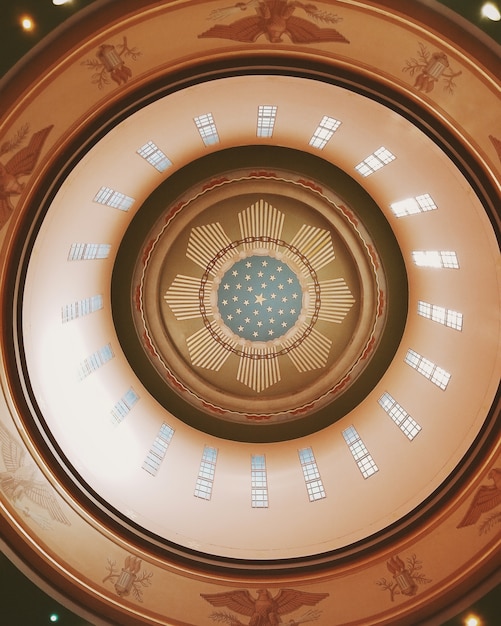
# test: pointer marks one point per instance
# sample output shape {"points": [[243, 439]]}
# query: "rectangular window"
{"points": [[375, 161], [207, 129], [429, 370], [88, 251], [124, 405], [158, 449], [411, 206], [114, 199], [266, 116], [441, 315], [436, 258], [95, 361], [399, 415], [324, 132], [259, 484], [364, 460], [314, 485], [206, 472], [80, 308], [154, 156]]}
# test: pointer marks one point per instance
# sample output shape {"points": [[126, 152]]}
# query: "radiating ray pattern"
{"points": [[205, 241], [312, 353], [234, 297], [183, 297], [259, 368], [204, 351], [262, 221], [336, 300], [315, 244]]}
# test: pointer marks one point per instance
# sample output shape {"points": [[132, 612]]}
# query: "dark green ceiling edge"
{"points": [[268, 157]]}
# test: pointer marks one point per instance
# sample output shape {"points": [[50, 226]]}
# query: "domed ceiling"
{"points": [[250, 290]]}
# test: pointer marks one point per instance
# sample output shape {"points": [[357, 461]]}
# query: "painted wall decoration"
{"points": [[406, 577], [274, 19], [486, 498], [19, 165], [130, 579], [23, 484], [265, 609], [259, 297], [110, 63], [429, 68]]}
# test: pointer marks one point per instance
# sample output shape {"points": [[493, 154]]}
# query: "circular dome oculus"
{"points": [[263, 286]]}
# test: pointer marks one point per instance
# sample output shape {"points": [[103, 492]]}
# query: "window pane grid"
{"points": [[449, 259], [259, 483], [158, 449], [80, 308], [206, 472], [324, 132], [124, 405], [154, 156], [95, 361], [364, 460], [429, 370], [399, 415], [314, 485], [426, 202], [114, 199], [266, 120], [207, 129], [315, 490], [88, 251], [441, 315], [375, 161], [411, 206], [436, 258]]}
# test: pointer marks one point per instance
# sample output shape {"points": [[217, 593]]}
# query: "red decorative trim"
{"points": [[263, 174], [349, 214], [311, 185], [341, 385], [368, 349], [137, 298], [147, 250], [373, 255], [380, 308], [258, 418], [174, 211], [213, 408], [215, 183]]}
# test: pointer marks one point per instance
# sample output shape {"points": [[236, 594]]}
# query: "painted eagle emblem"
{"points": [[274, 19], [266, 610], [22, 163], [21, 483], [486, 498]]}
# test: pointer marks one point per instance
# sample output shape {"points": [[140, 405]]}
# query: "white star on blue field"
{"points": [[259, 298]]}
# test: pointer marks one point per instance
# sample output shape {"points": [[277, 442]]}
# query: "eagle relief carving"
{"points": [[20, 164], [265, 609], [23, 484], [486, 498], [275, 19]]}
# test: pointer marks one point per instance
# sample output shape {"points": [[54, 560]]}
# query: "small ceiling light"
{"points": [[472, 620], [491, 12], [27, 23], [54, 617], [60, 2]]}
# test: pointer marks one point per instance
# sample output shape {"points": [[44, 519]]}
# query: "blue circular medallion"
{"points": [[259, 298]]}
